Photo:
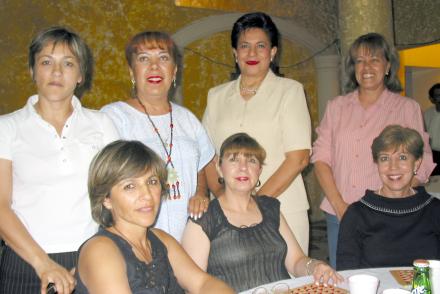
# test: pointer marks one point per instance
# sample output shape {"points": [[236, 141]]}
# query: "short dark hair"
{"points": [[373, 42], [151, 40], [255, 20], [395, 136], [242, 143], [433, 88], [61, 35], [118, 161]]}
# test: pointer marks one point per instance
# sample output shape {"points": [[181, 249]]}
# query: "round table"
{"points": [[386, 279]]}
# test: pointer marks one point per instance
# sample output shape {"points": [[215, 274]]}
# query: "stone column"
{"points": [[327, 71], [358, 17]]}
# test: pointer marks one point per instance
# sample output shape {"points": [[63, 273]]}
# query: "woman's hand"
{"points": [[323, 273], [340, 209], [197, 206], [51, 272]]}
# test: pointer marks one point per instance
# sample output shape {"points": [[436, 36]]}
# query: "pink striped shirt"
{"points": [[346, 133]]}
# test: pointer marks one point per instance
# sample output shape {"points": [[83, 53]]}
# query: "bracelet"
{"points": [[308, 266]]}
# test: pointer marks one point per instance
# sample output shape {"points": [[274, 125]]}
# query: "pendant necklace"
{"points": [[141, 252], [173, 178]]}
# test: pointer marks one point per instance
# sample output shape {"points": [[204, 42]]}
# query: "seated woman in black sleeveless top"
{"points": [[126, 181], [244, 239]]}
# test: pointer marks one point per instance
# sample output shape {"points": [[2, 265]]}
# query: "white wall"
{"points": [[418, 82]]}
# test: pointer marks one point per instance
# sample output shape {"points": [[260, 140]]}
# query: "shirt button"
{"points": [[64, 160], [64, 137]]}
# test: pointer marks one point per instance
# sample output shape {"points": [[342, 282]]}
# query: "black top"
{"points": [[246, 257], [152, 278], [383, 232]]}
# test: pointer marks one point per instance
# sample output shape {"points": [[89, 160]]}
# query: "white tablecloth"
{"points": [[386, 279]]}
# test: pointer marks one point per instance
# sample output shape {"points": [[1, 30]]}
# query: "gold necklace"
{"points": [[142, 253]]}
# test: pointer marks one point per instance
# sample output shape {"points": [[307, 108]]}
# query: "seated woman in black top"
{"points": [[397, 223], [243, 239], [126, 181]]}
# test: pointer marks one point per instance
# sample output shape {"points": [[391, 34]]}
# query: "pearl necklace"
{"points": [[173, 179], [248, 90], [252, 91]]}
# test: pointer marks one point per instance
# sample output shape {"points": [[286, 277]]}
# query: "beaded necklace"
{"points": [[172, 179], [252, 91]]}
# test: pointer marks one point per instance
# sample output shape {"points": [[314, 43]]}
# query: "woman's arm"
{"points": [[102, 267], [300, 265], [295, 131], [427, 166], [188, 274], [198, 204], [324, 174], [280, 180], [196, 244], [18, 239]]}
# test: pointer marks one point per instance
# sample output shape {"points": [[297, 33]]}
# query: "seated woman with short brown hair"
{"points": [[397, 223]]}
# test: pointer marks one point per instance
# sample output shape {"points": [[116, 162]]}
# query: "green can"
{"points": [[421, 283]]}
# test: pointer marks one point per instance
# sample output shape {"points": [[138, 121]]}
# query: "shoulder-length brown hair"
{"points": [[118, 161]]}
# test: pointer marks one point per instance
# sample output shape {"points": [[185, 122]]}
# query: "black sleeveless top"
{"points": [[246, 257], [154, 278]]}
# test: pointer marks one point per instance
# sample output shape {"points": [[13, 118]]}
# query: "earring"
{"points": [[133, 83], [271, 59], [221, 180], [258, 183], [415, 172], [174, 82]]}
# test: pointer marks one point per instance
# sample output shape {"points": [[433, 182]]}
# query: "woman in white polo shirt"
{"points": [[269, 108], [45, 151]]}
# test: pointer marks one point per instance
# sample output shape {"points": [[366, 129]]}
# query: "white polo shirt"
{"points": [[50, 172]]}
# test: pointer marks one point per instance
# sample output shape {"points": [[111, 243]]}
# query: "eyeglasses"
{"points": [[279, 288]]}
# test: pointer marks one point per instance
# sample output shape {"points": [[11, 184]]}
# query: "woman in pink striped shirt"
{"points": [[341, 154]]}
